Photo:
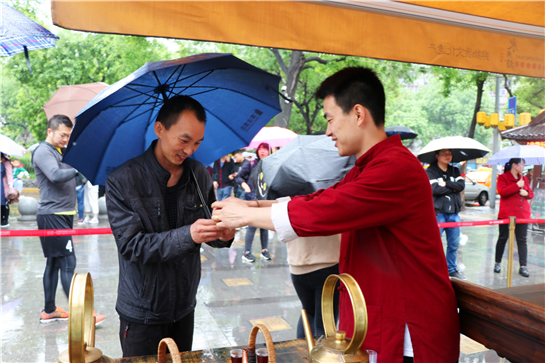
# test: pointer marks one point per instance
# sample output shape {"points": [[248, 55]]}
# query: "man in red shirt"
{"points": [[390, 239]]}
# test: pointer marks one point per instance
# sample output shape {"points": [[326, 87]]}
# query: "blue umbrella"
{"points": [[117, 124], [532, 155], [403, 131], [19, 33]]}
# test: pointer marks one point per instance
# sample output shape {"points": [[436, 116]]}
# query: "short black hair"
{"points": [[238, 151], [56, 120], [168, 114], [356, 85]]}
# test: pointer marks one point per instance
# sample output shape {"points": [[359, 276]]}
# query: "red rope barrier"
{"points": [[54, 232], [95, 231]]}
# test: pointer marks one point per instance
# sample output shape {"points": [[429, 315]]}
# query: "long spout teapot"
{"points": [[336, 347]]}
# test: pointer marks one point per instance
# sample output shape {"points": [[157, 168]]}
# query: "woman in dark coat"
{"points": [[243, 179], [515, 191]]}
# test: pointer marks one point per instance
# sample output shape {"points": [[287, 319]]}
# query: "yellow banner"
{"points": [[326, 27]]}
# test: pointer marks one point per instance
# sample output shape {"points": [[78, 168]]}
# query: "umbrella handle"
{"points": [[204, 205]]}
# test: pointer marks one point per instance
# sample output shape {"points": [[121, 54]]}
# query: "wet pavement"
{"points": [[231, 295]]}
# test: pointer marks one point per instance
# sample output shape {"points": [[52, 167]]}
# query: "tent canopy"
{"points": [[495, 36]]}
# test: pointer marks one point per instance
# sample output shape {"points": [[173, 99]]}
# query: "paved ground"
{"points": [[231, 293]]}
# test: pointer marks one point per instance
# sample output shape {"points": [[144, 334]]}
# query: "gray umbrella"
{"points": [[305, 165]]}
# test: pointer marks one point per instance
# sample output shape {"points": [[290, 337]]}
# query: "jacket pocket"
{"points": [[148, 282], [150, 213]]}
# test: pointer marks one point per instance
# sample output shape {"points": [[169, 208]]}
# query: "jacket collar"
{"points": [[379, 148], [156, 168]]}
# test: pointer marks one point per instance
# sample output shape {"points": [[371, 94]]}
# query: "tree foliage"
{"points": [[77, 58]]}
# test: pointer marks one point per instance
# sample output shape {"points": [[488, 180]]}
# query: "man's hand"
{"points": [[520, 183], [13, 195], [216, 185], [228, 234], [231, 212], [523, 193], [206, 230]]}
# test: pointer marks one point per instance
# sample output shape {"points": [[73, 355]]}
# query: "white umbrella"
{"points": [[532, 155], [274, 136], [10, 147], [463, 148]]}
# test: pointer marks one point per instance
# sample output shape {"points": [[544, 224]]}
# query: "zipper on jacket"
{"points": [[158, 209]]}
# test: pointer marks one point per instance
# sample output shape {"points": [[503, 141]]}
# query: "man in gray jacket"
{"points": [[156, 206], [56, 210]]}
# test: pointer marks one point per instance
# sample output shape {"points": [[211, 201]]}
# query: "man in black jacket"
{"points": [[158, 222], [446, 184]]}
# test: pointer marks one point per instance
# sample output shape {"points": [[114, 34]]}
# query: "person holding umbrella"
{"points": [[245, 180], [515, 191], [157, 208], [447, 184]]}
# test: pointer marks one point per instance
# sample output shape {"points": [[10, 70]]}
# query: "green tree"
{"points": [[77, 58], [530, 94]]}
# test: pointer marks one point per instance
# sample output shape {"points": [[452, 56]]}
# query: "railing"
{"points": [[512, 221]]}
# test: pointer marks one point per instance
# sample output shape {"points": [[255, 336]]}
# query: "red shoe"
{"points": [[58, 315], [99, 318]]}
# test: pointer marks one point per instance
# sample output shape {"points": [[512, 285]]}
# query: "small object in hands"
{"points": [[236, 355], [262, 355], [216, 218]]}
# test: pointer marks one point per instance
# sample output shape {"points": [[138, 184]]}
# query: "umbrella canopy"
{"points": [[532, 155], [10, 147], [118, 124], [19, 33], [275, 136], [70, 100], [493, 36], [403, 131], [305, 165], [463, 148]]}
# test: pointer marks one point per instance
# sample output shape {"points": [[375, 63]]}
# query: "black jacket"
{"points": [[159, 267], [221, 174], [446, 199]]}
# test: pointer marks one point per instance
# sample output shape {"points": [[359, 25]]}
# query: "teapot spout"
{"points": [[308, 332]]}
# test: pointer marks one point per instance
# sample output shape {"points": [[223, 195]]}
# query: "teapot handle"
{"points": [[358, 306], [268, 341], [172, 347]]}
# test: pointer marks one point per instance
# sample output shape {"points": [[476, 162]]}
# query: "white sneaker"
{"points": [[463, 239], [94, 220], [86, 219]]}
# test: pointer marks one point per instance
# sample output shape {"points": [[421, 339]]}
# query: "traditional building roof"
{"points": [[534, 131]]}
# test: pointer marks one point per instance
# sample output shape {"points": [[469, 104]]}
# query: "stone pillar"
{"points": [[102, 212], [28, 208]]}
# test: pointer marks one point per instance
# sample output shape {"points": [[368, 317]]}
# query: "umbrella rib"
{"points": [[177, 78]]}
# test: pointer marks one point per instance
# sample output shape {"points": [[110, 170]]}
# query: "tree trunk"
{"points": [[297, 62], [480, 86]]}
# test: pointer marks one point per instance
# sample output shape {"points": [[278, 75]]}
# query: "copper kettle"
{"points": [[336, 347]]}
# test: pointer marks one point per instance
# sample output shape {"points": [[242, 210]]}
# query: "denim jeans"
{"points": [[239, 192], [79, 195], [18, 184], [453, 238], [224, 193]]}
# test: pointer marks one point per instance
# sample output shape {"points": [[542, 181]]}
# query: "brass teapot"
{"points": [[336, 347]]}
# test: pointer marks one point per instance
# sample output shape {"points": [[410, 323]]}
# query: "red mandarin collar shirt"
{"points": [[392, 246]]}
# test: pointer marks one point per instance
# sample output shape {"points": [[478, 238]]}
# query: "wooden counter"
{"points": [[510, 321], [286, 352]]}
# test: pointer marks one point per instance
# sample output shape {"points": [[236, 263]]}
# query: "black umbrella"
{"points": [[403, 131], [305, 165]]}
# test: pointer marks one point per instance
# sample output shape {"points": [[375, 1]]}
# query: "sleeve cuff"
{"points": [[281, 221]]}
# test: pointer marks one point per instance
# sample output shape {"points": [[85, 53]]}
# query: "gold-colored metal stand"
{"points": [[512, 225], [81, 324]]}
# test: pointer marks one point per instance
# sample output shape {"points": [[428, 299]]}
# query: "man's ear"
{"points": [[361, 114], [158, 128]]}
